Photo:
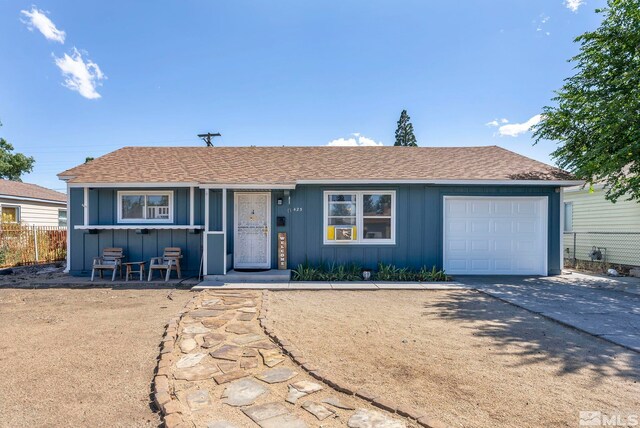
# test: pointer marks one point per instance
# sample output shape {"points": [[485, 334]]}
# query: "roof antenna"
{"points": [[208, 137]]}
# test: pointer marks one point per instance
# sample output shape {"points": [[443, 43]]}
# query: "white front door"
{"points": [[495, 235], [252, 230]]}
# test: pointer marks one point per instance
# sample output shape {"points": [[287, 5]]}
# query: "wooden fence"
{"points": [[26, 245]]}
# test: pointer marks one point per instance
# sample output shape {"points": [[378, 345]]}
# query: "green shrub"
{"points": [[353, 272]]}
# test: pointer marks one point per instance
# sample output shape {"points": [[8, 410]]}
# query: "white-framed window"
{"points": [[145, 206], [10, 213], [62, 218], [359, 217], [568, 216]]}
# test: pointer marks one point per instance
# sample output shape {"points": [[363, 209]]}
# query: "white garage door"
{"points": [[495, 235]]}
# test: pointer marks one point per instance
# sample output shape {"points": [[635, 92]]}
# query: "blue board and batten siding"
{"points": [[419, 219], [137, 247]]}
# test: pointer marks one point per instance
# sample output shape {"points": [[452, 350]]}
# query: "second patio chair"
{"points": [[169, 261]]}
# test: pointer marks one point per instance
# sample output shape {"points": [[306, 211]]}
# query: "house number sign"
{"points": [[282, 251]]}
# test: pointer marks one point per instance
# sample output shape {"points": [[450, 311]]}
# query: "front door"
{"points": [[252, 235]]}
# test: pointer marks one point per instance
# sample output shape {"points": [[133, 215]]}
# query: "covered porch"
{"points": [[244, 236]]}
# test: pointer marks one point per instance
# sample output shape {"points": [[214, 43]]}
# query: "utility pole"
{"points": [[208, 137]]}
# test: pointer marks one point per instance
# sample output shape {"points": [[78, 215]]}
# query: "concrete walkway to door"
{"points": [[579, 301]]}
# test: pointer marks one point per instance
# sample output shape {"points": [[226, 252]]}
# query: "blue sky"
{"points": [[278, 73]]}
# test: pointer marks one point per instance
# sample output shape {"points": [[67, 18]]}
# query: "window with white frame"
{"points": [[62, 218], [145, 207], [10, 214], [568, 216], [360, 217]]}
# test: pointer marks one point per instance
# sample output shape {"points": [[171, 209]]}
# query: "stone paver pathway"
{"points": [[226, 372]]}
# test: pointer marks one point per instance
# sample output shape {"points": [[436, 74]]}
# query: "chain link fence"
{"points": [[601, 250]]}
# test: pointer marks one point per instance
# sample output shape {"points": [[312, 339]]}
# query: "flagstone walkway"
{"points": [[219, 369]]}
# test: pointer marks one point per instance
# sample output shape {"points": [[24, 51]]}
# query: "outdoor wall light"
{"points": [[279, 201]]}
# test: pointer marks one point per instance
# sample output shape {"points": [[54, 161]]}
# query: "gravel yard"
{"points": [[81, 357], [468, 359]]}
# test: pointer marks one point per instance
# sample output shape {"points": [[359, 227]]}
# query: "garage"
{"points": [[495, 235]]}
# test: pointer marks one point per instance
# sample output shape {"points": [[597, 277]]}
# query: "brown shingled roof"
{"points": [[288, 165], [25, 190]]}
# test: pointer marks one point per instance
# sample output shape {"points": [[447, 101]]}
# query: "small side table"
{"points": [[131, 265]]}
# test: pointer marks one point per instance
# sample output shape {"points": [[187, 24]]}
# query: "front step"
{"points": [[272, 275]]}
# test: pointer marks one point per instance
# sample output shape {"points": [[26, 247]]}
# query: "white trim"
{"points": [[85, 205], [68, 266], [256, 186], [451, 182], [23, 198], [544, 213], [267, 264], [138, 226], [215, 232], [562, 230], [191, 205], [224, 231], [289, 186], [137, 184], [146, 193], [205, 243], [360, 240]]}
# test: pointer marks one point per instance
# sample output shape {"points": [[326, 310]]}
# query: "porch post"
{"points": [[224, 230], [85, 206], [191, 206], [205, 235], [68, 267]]}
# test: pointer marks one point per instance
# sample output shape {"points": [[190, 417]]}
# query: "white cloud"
{"points": [[36, 18], [541, 23], [497, 122], [515, 129], [80, 76], [573, 5], [357, 140]]}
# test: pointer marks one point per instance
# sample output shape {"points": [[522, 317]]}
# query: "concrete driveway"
{"points": [[585, 302]]}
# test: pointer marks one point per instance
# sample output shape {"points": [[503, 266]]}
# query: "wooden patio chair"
{"points": [[169, 261], [111, 259]]}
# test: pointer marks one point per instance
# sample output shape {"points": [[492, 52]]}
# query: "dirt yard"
{"points": [[80, 357], [470, 360]]}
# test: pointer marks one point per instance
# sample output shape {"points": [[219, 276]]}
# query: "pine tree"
{"points": [[404, 131]]}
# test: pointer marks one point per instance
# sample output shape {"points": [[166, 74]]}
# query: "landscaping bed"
{"points": [[462, 356]]}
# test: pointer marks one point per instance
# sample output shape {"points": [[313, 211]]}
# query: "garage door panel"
{"points": [[480, 226], [481, 208], [457, 226], [457, 245], [503, 226], [495, 235], [502, 209], [480, 265], [480, 245]]}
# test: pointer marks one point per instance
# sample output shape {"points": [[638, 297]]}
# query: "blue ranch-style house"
{"points": [[468, 210]]}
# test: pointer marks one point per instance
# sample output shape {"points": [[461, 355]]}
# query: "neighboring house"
{"points": [[597, 222], [469, 210], [32, 205]]}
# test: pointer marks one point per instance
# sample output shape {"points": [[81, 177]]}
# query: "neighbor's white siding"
{"points": [[593, 213], [35, 213]]}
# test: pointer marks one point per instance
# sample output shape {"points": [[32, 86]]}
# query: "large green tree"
{"points": [[13, 165], [597, 117], [404, 131]]}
